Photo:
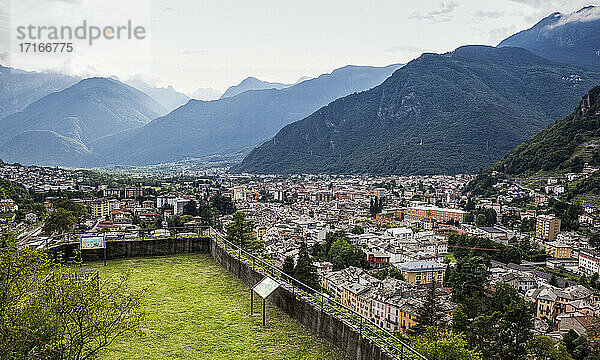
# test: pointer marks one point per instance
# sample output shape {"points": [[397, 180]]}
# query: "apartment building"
{"points": [[547, 227], [423, 272], [589, 261], [558, 250], [434, 213], [100, 208]]}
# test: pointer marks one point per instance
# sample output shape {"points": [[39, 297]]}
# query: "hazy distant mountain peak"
{"points": [[167, 97], [252, 83], [233, 125]]}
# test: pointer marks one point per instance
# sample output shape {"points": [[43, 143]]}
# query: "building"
{"points": [[494, 234], [423, 272], [8, 206], [551, 302], [547, 227], [99, 208], [134, 192], [589, 261], [111, 192], [378, 259], [558, 250], [400, 233], [434, 213]]}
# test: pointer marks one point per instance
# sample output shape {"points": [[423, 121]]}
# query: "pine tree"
{"points": [[288, 265], [305, 271], [430, 313]]}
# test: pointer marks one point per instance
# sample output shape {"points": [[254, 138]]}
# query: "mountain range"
{"points": [[58, 128], [569, 38], [232, 124], [441, 113]]}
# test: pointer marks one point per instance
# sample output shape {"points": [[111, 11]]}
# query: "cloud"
{"points": [[444, 13], [407, 48], [191, 52], [583, 15], [489, 14]]}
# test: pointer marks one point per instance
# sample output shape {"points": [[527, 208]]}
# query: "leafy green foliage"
{"points": [[389, 272], [507, 254], [59, 221], [337, 250], [559, 147], [567, 212], [441, 344], [482, 185], [376, 205], [288, 265], [357, 230], [49, 311], [223, 203]]}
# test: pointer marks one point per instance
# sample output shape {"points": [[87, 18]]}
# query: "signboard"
{"points": [[92, 242], [265, 287]]}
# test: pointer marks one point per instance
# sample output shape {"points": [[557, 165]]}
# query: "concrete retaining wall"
{"points": [[134, 248], [342, 336]]}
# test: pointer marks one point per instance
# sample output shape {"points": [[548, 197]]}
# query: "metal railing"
{"points": [[364, 326]]}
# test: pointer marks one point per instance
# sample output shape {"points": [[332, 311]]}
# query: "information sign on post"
{"points": [[264, 289]]}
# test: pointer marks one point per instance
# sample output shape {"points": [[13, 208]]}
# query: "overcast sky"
{"points": [[217, 43]]}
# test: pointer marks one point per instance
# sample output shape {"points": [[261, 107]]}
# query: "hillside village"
{"points": [[416, 225]]}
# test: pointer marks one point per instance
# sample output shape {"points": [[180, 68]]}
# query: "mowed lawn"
{"points": [[197, 310]]}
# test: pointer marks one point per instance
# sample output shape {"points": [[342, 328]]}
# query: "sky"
{"points": [[192, 44]]}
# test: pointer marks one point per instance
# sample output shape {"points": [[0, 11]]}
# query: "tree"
{"points": [[305, 271], [430, 313], [79, 211], [460, 321], [190, 208], [469, 280], [511, 254], [543, 348], [343, 254], [594, 241], [389, 272], [59, 221], [223, 204], [357, 230], [240, 232], [481, 220], [288, 265], [48, 311], [441, 344]]}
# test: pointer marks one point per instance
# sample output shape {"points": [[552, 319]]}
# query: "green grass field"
{"points": [[197, 310]]}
